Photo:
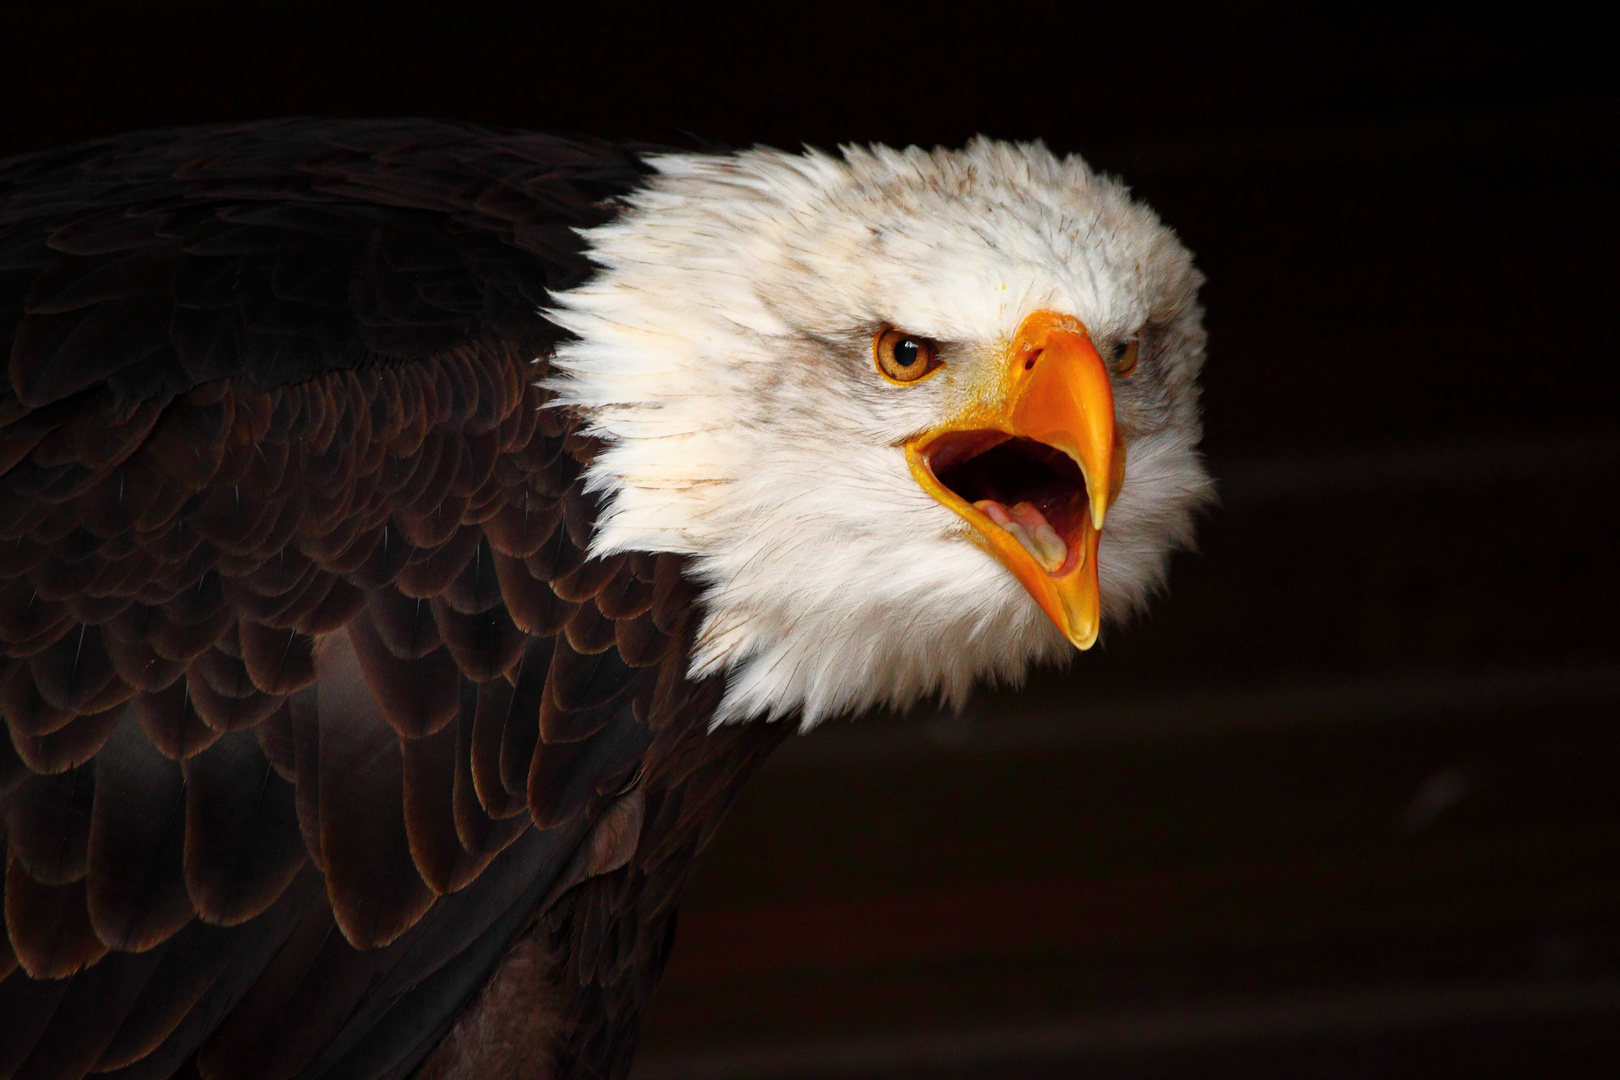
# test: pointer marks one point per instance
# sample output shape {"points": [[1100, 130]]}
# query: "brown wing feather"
{"points": [[376, 892], [90, 1014], [48, 823], [436, 847], [243, 847], [136, 890], [49, 926], [310, 690]]}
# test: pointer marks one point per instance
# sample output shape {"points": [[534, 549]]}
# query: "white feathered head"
{"points": [[922, 418]]}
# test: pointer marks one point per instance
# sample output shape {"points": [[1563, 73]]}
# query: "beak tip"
{"points": [[1083, 639]]}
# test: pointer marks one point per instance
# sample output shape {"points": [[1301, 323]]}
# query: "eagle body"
{"points": [[410, 531]]}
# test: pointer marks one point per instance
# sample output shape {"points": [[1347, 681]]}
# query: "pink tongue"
{"points": [[1030, 517], [1031, 529]]}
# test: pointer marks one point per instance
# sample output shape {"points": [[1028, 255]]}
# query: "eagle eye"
{"points": [[903, 357], [1124, 357]]}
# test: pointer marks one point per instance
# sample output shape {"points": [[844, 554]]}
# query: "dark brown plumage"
{"points": [[314, 706]]}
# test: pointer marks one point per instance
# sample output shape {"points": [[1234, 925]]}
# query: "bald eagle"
{"points": [[412, 535]]}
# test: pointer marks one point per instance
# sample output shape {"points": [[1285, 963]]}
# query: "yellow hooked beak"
{"points": [[1033, 465]]}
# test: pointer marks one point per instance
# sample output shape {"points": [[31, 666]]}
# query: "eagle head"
{"points": [[921, 418]]}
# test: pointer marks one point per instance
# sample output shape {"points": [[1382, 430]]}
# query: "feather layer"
{"points": [[310, 689]]}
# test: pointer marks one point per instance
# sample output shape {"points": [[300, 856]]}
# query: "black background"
{"points": [[1365, 751], [783, 74]]}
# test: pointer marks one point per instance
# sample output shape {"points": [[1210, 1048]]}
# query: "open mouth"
{"points": [[1033, 492], [1031, 460]]}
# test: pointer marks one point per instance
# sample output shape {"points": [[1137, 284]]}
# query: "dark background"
{"points": [[1348, 803]]}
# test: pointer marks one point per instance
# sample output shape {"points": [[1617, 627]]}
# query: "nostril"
{"points": [[1034, 356]]}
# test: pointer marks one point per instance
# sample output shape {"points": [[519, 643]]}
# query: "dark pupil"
{"points": [[905, 353]]}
